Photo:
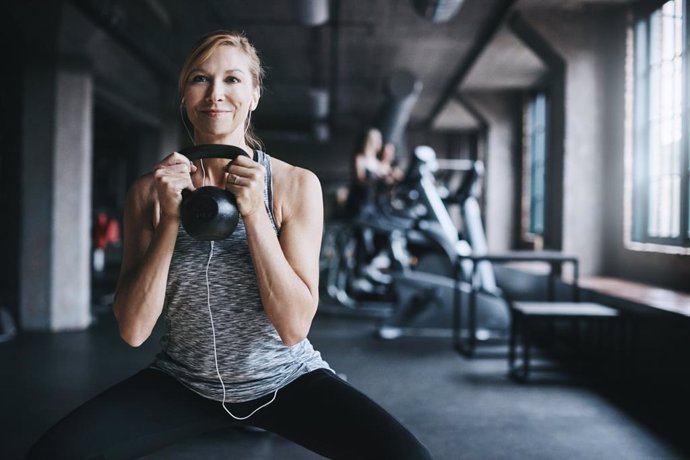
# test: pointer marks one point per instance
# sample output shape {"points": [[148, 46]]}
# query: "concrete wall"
{"points": [[592, 133], [501, 110], [71, 302], [576, 35]]}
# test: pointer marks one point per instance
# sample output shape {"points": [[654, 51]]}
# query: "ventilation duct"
{"points": [[402, 92], [319, 102], [312, 12], [319, 108], [437, 10]]}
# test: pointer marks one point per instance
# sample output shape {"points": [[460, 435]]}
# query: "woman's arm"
{"points": [[151, 223], [287, 268]]}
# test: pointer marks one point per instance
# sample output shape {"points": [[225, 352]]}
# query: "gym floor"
{"points": [[461, 409]]}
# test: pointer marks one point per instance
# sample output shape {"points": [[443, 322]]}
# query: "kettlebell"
{"points": [[210, 213]]}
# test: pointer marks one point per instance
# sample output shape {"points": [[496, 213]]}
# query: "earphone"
{"points": [[184, 122], [215, 351]]}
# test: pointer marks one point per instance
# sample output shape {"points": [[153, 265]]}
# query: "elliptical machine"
{"points": [[397, 260], [424, 290], [360, 258]]}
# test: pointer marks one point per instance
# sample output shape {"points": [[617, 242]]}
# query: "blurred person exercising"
{"points": [[373, 165]]}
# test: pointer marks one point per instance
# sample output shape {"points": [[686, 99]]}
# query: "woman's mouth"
{"points": [[214, 113]]}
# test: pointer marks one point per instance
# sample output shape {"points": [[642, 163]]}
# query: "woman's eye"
{"points": [[232, 80], [199, 78]]}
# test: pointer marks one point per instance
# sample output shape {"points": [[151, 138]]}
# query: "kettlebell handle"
{"points": [[198, 152]]}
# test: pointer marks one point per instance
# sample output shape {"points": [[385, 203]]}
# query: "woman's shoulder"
{"points": [[293, 188], [292, 178], [143, 189]]}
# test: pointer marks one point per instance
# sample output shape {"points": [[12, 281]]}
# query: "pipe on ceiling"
{"points": [[313, 12], [437, 10], [402, 90], [319, 102]]}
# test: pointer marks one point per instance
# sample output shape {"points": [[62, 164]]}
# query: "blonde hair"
{"points": [[202, 51]]}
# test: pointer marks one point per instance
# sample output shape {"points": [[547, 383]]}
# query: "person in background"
{"points": [[373, 165]]}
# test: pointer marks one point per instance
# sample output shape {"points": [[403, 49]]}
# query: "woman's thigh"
{"points": [[325, 414], [138, 415]]}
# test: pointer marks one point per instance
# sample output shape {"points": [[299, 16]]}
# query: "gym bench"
{"points": [[601, 320]]}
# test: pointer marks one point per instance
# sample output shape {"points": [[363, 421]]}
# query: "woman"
{"points": [[363, 170], [372, 167], [237, 311]]}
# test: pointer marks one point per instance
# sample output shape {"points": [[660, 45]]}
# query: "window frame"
{"points": [[528, 231], [640, 193]]}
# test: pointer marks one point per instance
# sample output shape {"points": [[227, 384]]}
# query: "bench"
{"points": [[528, 314], [616, 297], [656, 325], [664, 300]]}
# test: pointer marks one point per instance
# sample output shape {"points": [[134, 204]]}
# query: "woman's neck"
{"points": [[237, 141]]}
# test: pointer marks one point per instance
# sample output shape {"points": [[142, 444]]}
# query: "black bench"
{"points": [[525, 315]]}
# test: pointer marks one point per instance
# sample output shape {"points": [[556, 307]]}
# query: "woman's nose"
{"points": [[215, 92]]}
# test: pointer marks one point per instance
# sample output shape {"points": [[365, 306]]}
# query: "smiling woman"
{"points": [[237, 311], [220, 89]]}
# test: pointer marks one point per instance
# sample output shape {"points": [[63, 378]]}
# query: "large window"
{"points": [[660, 126], [534, 166]]}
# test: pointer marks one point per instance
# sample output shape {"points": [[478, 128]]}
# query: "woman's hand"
{"points": [[245, 179], [172, 175]]}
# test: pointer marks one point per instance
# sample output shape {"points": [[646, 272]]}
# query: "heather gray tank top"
{"points": [[252, 359]]}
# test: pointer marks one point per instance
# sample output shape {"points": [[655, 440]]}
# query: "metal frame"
{"points": [[555, 259]]}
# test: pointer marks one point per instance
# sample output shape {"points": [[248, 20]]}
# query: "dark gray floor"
{"points": [[461, 409]]}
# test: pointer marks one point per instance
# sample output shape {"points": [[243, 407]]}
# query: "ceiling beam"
{"points": [[108, 20], [484, 36], [470, 107]]}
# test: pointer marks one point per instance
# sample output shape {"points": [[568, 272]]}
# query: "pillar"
{"points": [[56, 190]]}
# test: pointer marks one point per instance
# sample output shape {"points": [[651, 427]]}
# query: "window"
{"points": [[534, 166], [660, 127]]}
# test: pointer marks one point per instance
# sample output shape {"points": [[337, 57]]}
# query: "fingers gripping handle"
{"points": [[198, 152]]}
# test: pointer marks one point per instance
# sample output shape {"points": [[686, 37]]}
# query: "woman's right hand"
{"points": [[172, 175]]}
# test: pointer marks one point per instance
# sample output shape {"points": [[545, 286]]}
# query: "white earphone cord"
{"points": [[215, 351]]}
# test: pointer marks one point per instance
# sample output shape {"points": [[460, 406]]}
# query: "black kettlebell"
{"points": [[210, 213]]}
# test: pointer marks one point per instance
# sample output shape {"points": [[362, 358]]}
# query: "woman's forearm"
{"points": [[287, 299], [141, 291]]}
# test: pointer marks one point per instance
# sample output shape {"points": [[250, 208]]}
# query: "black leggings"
{"points": [[150, 410]]}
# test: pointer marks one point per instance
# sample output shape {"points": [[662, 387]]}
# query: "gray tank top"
{"points": [[252, 359]]}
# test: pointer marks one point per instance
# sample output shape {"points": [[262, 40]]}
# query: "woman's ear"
{"points": [[255, 100]]}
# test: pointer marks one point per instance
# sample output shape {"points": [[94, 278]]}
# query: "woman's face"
{"points": [[373, 143], [218, 96]]}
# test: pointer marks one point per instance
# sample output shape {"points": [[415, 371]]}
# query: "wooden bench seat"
{"points": [[639, 293]]}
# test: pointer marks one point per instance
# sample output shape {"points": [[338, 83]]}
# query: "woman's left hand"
{"points": [[245, 179]]}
